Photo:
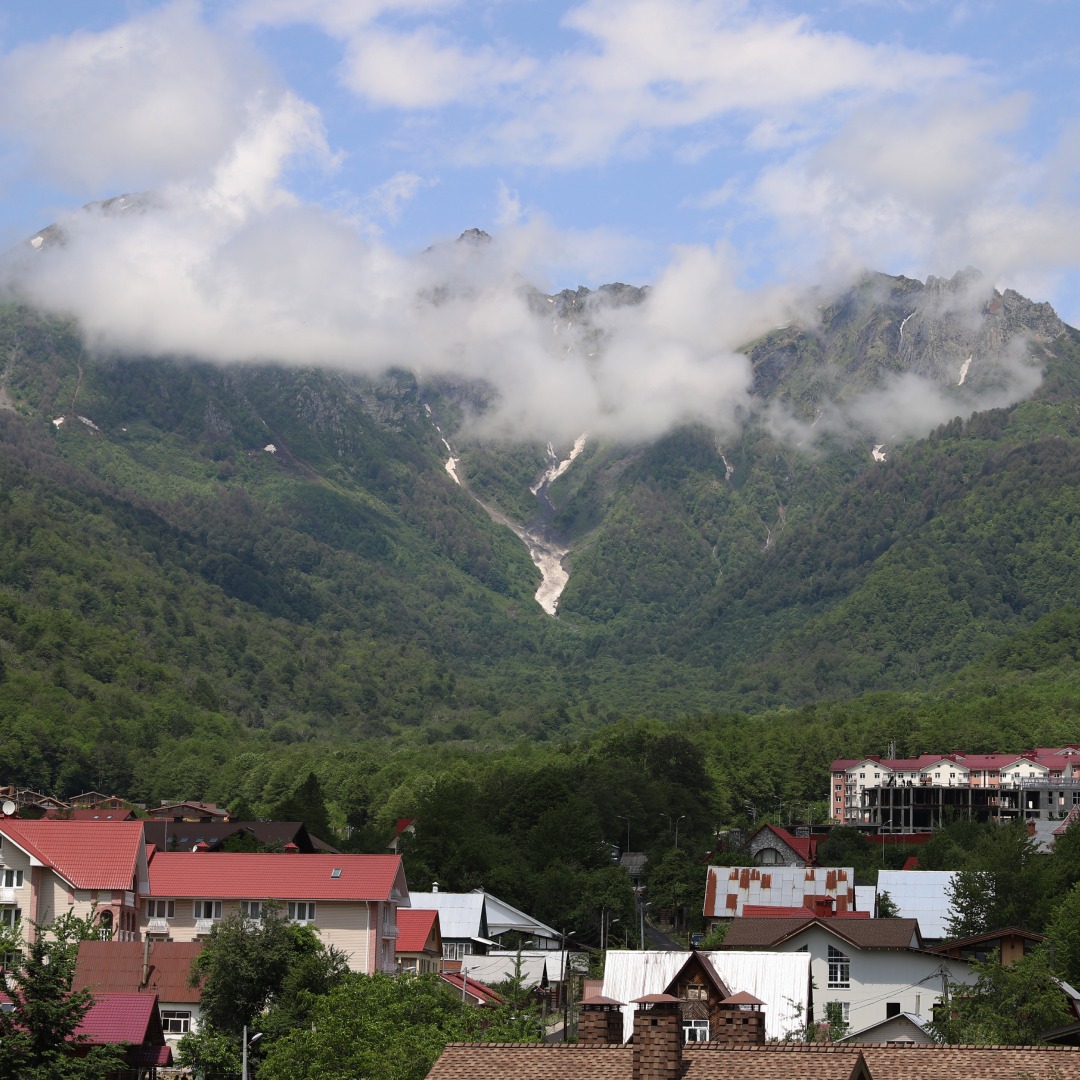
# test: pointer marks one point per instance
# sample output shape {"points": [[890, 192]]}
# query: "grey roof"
{"points": [[922, 895], [478, 915]]}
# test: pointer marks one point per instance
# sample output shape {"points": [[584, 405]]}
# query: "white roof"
{"points": [[459, 913], [499, 967], [780, 980], [922, 895], [773, 886], [865, 897], [502, 917]]}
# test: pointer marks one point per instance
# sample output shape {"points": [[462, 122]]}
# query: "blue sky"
{"points": [[756, 146]]}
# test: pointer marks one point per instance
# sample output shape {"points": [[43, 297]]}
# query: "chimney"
{"points": [[823, 906], [600, 1022], [738, 1022], [1031, 827], [201, 846], [434, 886], [291, 848], [657, 1038]]}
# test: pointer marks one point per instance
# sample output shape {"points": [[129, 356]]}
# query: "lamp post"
{"points": [[562, 979], [244, 1056]]}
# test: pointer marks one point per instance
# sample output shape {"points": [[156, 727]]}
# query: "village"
{"points": [[796, 958]]}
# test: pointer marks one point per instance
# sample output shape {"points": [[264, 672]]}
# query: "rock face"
{"points": [[954, 331]]}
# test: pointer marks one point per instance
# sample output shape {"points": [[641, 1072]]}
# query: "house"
{"points": [[1008, 945], [905, 1028], [472, 991], [84, 813], [169, 835], [470, 922], [156, 969], [703, 981], [418, 947], [922, 895], [351, 900], [49, 868], [771, 845], [132, 1020], [730, 888], [873, 968], [190, 811]]}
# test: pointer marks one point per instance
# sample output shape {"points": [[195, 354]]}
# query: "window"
{"points": [[251, 909], [161, 909], [301, 911], [10, 916], [892, 1008], [456, 950], [175, 1022], [13, 879], [694, 1031], [841, 1008], [839, 969], [207, 909]]}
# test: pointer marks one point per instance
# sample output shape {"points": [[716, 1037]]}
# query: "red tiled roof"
{"points": [[118, 1018], [117, 967], [281, 876], [458, 981], [84, 853], [414, 929]]}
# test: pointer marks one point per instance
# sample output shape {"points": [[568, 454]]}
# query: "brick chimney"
{"points": [[738, 1021], [657, 1038], [601, 1021]]}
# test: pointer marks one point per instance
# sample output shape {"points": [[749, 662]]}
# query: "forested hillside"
{"points": [[215, 580]]}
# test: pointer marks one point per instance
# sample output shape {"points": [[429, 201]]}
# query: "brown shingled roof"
{"points": [[863, 933], [703, 1061], [117, 967], [932, 1062]]}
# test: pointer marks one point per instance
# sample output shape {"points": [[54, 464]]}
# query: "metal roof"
{"points": [[780, 980], [922, 895]]}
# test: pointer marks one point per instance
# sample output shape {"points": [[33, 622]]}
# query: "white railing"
{"points": [[204, 926], [157, 926], [7, 896]]}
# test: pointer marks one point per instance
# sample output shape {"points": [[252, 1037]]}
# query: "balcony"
{"points": [[158, 926], [204, 926], [7, 895]]}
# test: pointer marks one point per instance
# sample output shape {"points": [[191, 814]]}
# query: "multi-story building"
{"points": [[907, 794], [350, 900]]}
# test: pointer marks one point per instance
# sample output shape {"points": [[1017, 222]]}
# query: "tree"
{"points": [[1063, 931], [308, 805], [1012, 1005], [887, 908], [39, 1033], [264, 970], [371, 1027]]}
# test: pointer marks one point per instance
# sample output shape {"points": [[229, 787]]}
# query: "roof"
{"points": [[120, 1018], [460, 914], [919, 1028], [577, 1061], [781, 981], [922, 895], [415, 926], [86, 854], [862, 933], [503, 917], [168, 835], [805, 847], [84, 813], [278, 875], [729, 888], [538, 967], [936, 1062], [763, 911], [117, 967], [989, 936], [460, 981]]}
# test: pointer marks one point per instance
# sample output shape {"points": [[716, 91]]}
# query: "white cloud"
{"points": [[152, 98]]}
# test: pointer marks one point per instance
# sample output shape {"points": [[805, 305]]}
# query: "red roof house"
{"points": [[351, 900], [78, 866], [131, 1019], [419, 940]]}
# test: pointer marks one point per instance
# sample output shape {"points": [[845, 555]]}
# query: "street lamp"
{"points": [[681, 817], [248, 1042], [562, 979]]}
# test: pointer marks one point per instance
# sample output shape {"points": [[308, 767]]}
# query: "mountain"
{"points": [[197, 558]]}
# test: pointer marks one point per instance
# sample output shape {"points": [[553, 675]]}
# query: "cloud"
{"points": [[151, 99]]}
